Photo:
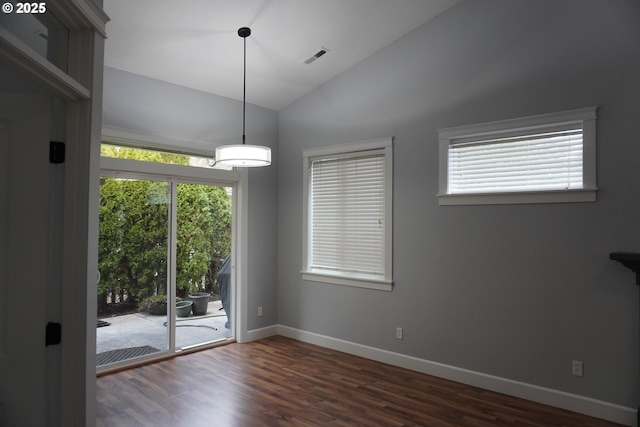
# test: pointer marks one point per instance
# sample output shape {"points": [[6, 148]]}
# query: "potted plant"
{"points": [[183, 308], [200, 302]]}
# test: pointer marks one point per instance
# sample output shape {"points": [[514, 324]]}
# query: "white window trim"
{"points": [[385, 284], [533, 123]]}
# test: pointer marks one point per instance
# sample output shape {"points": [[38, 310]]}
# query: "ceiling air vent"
{"points": [[317, 55]]}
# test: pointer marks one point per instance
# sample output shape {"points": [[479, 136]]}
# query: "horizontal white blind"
{"points": [[347, 215], [537, 162]]}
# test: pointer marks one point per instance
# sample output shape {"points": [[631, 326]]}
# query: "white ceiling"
{"points": [[194, 43]]}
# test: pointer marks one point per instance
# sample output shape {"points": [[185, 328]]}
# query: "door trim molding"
{"points": [[33, 66]]}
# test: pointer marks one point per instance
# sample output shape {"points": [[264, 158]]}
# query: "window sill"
{"points": [[358, 282], [561, 196]]}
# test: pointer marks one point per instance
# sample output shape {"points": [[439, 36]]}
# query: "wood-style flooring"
{"points": [[282, 382]]}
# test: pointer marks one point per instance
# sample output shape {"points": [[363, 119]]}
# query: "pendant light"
{"points": [[243, 155]]}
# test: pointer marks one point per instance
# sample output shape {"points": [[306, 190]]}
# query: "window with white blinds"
{"points": [[548, 158], [348, 216], [546, 161]]}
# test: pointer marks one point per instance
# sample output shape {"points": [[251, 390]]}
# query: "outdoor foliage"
{"points": [[134, 229], [204, 236]]}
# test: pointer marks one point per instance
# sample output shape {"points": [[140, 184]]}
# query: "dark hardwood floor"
{"points": [[279, 381]]}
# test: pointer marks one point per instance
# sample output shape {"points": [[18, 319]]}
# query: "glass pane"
{"points": [[120, 152], [42, 32], [133, 253], [203, 265]]}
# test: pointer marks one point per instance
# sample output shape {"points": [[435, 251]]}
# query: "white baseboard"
{"points": [[258, 334], [559, 399]]}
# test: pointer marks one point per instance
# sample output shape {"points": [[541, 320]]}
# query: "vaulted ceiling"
{"points": [[194, 43]]}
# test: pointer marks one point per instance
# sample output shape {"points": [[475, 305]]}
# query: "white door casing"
{"points": [[63, 392]]}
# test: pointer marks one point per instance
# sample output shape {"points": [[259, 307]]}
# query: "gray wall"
{"points": [[513, 291], [142, 104]]}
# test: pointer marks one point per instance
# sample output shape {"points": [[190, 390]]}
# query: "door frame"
{"points": [[81, 88], [237, 178]]}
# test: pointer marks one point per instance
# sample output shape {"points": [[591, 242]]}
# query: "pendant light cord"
{"points": [[244, 89]]}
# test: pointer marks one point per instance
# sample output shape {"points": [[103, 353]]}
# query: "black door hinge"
{"points": [[53, 334], [56, 152]]}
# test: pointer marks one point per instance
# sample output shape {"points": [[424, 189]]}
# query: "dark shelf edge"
{"points": [[631, 260]]}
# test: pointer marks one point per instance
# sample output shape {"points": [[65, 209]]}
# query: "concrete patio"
{"points": [[142, 329]]}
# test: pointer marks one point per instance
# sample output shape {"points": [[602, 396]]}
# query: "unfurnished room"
{"points": [[318, 213]]}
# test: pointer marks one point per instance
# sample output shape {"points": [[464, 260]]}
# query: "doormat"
{"points": [[113, 356], [102, 323]]}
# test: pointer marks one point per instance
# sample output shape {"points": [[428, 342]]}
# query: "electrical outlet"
{"points": [[576, 368], [259, 311], [399, 333]]}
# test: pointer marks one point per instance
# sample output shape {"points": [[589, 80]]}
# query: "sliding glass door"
{"points": [[133, 267], [164, 266], [203, 237]]}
